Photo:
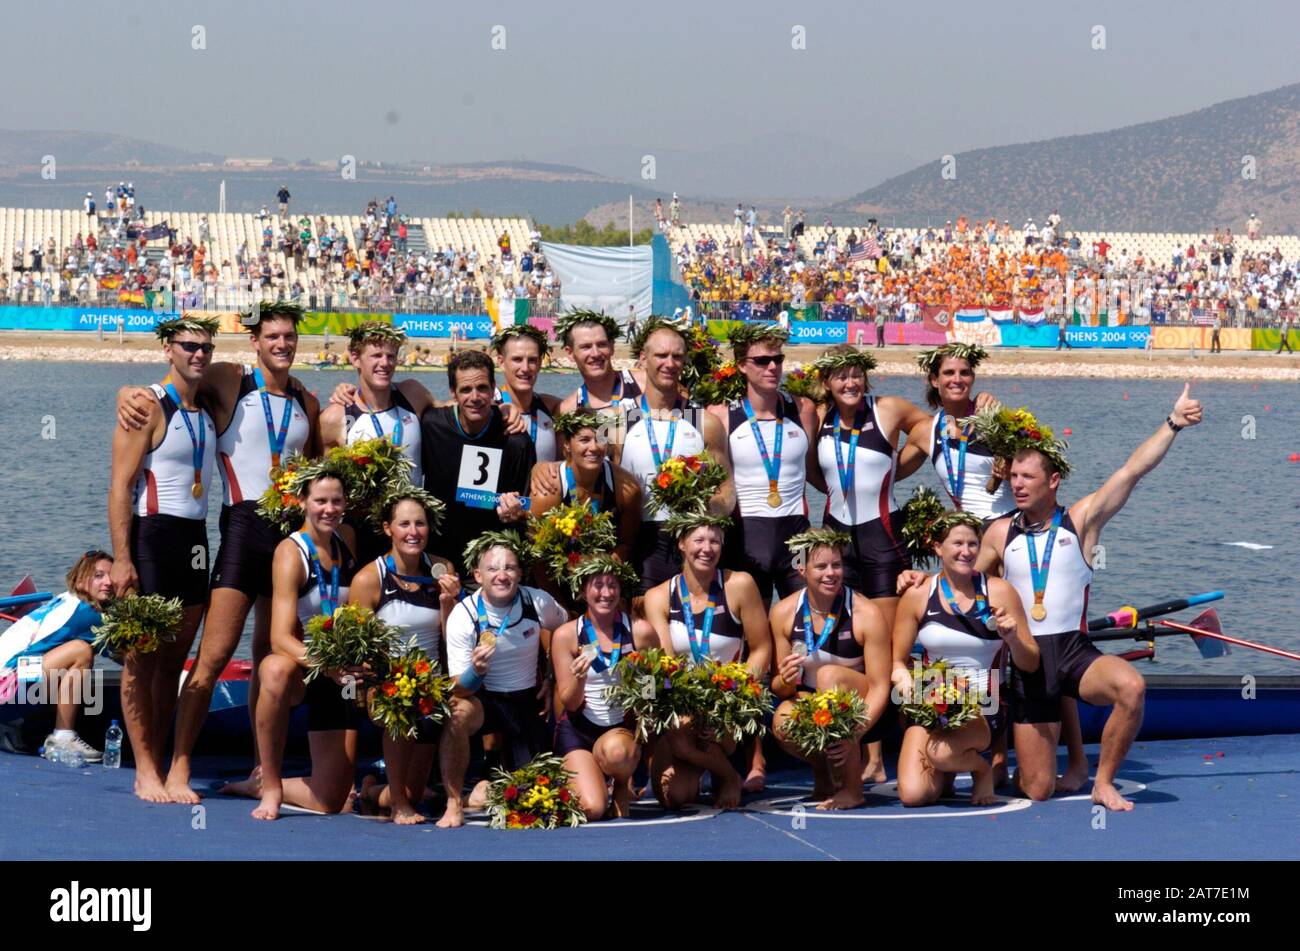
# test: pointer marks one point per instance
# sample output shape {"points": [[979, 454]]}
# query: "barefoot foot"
{"points": [[453, 817], [729, 791], [178, 790], [1104, 794], [406, 816], [251, 788], [479, 795], [873, 773], [982, 792], [848, 798], [1072, 780], [756, 781], [150, 788], [269, 807]]}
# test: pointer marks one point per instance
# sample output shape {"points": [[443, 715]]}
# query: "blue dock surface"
{"points": [[1228, 798]]}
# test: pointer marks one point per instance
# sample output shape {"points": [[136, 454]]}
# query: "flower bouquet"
{"points": [[280, 504], [565, 533], [820, 720], [726, 384], [686, 483], [729, 700], [942, 698], [1006, 431], [702, 359], [351, 637], [536, 796], [917, 517], [138, 623], [802, 381], [655, 688], [412, 690], [370, 469]]}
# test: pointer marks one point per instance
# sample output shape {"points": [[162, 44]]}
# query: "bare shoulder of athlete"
{"points": [[550, 403], [569, 403], [1001, 591], [364, 589], [782, 613], [740, 585], [416, 394]]}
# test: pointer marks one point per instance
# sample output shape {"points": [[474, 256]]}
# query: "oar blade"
{"points": [[24, 587], [1208, 620]]}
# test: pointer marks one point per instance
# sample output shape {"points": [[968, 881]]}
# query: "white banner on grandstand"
{"points": [[605, 279]]}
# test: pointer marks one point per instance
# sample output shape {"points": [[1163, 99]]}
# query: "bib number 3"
{"points": [[480, 468]]}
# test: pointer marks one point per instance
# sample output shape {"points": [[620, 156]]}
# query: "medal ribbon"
{"points": [[846, 472], [379, 428], [423, 580], [700, 647], [198, 444], [483, 621], [584, 398], [276, 441], [329, 597], [659, 458], [828, 626], [957, 484], [571, 488], [771, 463], [604, 660], [532, 417], [1039, 576], [979, 610]]}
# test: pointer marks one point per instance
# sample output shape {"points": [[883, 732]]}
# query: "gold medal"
{"points": [[487, 639], [196, 490], [1039, 612], [774, 499]]}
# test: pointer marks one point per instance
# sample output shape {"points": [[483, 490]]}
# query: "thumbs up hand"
{"points": [[1187, 411]]}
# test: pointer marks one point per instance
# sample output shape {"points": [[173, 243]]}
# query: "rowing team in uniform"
{"points": [[747, 580]]}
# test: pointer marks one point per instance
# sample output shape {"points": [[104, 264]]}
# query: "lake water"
{"points": [[1173, 539]]}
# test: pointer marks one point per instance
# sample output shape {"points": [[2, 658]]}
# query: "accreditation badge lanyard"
{"points": [[659, 458], [571, 489], [1037, 575], [846, 472], [379, 427], [980, 609], [532, 417], [604, 661], [771, 463], [198, 443], [828, 626], [700, 646], [276, 441], [329, 596], [484, 623], [958, 483]]}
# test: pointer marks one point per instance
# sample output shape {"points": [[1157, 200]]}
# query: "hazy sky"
{"points": [[714, 91]]}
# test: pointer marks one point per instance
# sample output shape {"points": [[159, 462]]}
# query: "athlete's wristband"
{"points": [[470, 678], [1169, 421]]}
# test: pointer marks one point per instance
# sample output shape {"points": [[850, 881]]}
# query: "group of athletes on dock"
{"points": [[748, 580]]}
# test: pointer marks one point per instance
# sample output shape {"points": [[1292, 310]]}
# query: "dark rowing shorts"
{"points": [[886, 725], [327, 709], [573, 731], [429, 733], [758, 546], [166, 550], [247, 549], [1036, 697], [516, 716], [655, 555], [872, 563]]}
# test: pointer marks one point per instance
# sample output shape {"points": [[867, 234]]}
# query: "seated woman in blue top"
{"points": [[59, 632]]}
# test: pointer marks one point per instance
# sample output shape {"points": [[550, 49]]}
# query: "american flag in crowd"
{"points": [[868, 249], [1202, 317]]}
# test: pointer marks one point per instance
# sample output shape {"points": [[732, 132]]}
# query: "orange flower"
{"points": [[543, 780], [664, 480], [822, 718], [389, 689], [362, 460], [422, 667]]}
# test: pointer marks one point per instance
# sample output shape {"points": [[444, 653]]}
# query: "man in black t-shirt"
{"points": [[471, 463]]}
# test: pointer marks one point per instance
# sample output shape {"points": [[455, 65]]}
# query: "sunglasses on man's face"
{"points": [[779, 360], [193, 346]]}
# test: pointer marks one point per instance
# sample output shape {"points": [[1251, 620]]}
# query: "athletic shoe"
{"points": [[90, 754]]}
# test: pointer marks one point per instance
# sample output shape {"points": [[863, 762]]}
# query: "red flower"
{"points": [[664, 480], [527, 818], [574, 558], [1035, 435], [693, 463], [426, 705], [389, 689], [844, 706], [564, 795], [327, 624], [142, 641], [728, 684], [511, 792], [422, 667], [543, 780], [362, 460], [941, 706]]}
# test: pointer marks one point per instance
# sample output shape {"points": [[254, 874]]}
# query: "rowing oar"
{"points": [[1219, 636], [1128, 616], [16, 600]]}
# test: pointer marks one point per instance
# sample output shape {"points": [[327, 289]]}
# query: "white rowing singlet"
{"points": [[361, 425], [979, 466], [244, 447], [749, 471], [871, 496], [165, 483], [638, 458], [1068, 578]]}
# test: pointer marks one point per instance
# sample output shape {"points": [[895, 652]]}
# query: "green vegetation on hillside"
{"points": [[585, 233]]}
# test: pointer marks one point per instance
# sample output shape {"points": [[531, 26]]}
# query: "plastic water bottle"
{"points": [[73, 758], [113, 746], [51, 754]]}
